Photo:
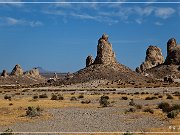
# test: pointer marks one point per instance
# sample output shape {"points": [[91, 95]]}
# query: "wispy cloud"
{"points": [[158, 23], [10, 2], [164, 13], [9, 21]]}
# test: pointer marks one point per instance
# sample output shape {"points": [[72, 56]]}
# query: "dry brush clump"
{"points": [[171, 110], [104, 101], [8, 132], [149, 110], [33, 112], [57, 97]]}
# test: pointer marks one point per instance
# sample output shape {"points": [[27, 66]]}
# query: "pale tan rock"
{"points": [[17, 70], [153, 58]]}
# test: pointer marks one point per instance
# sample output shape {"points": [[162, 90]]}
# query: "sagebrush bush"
{"points": [[164, 106], [73, 98], [35, 97], [87, 101], [7, 132], [33, 112], [57, 97], [151, 98], [81, 96], [138, 106], [104, 101], [124, 98], [169, 96], [8, 97], [43, 95], [173, 114], [131, 103], [148, 110]]}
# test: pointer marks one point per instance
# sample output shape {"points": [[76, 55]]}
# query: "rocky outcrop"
{"points": [[89, 60], [105, 54], [173, 52], [4, 73], [153, 58], [17, 70], [105, 67], [33, 73]]}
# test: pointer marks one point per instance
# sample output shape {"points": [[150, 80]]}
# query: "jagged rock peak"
{"points": [[33, 73], [17, 70], [173, 52], [4, 73], [89, 60], [153, 58], [105, 54]]}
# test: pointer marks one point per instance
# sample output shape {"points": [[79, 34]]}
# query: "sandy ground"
{"points": [[73, 116]]}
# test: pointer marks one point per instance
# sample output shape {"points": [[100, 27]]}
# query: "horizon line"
{"points": [[88, 2]]}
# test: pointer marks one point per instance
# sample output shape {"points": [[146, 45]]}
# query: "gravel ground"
{"points": [[108, 119]]}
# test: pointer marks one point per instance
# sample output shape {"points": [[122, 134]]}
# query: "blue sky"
{"points": [[59, 36]]}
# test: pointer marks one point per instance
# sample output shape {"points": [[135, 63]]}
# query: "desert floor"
{"points": [[72, 115]]}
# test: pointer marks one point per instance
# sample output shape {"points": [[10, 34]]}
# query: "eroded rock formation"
{"points": [[17, 70], [153, 58], [4, 73], [33, 73], [173, 52], [89, 60], [105, 54]]}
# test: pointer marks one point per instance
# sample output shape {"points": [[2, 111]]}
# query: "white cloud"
{"points": [[13, 2], [164, 13], [158, 23], [9, 21], [139, 21]]}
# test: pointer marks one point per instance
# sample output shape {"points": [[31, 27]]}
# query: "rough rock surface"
{"points": [[153, 58], [89, 60], [173, 52], [33, 73], [4, 73], [106, 67], [17, 70], [105, 54]]}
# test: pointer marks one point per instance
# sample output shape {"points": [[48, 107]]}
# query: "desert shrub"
{"points": [[35, 97], [124, 98], [127, 133], [10, 104], [43, 95], [131, 110], [57, 97], [165, 107], [7, 132], [155, 94], [176, 107], [173, 114], [160, 96], [136, 93], [73, 98], [8, 97], [33, 112], [151, 98], [142, 93], [131, 103], [87, 101], [148, 110], [169, 96], [138, 106], [104, 101], [81, 96], [176, 93]]}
